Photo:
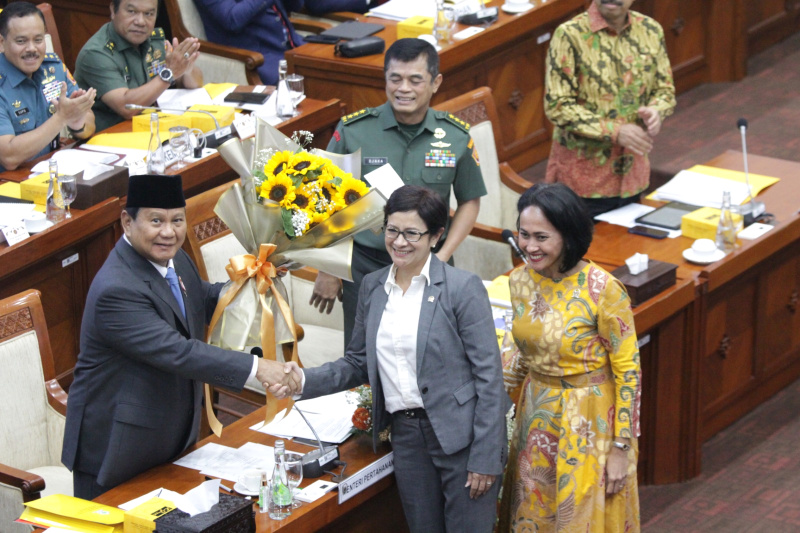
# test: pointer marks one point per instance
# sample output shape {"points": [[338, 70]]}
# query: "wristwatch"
{"points": [[166, 75], [621, 445]]}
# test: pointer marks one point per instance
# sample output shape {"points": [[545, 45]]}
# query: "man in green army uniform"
{"points": [[425, 147], [129, 61], [38, 96]]}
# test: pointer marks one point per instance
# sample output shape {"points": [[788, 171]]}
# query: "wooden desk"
{"points": [[43, 261], [725, 338], [377, 508]]}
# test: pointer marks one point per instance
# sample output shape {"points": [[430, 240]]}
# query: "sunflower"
{"points": [[317, 217], [328, 198], [350, 190], [305, 198], [279, 189], [303, 163], [277, 163]]}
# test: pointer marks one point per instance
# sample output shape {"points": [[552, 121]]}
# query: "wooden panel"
{"points": [[769, 22], [728, 353], [779, 318]]}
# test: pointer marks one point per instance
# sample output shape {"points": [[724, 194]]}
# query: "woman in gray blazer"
{"points": [[424, 339]]}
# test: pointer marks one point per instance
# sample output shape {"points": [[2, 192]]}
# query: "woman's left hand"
{"points": [[479, 484], [616, 470]]}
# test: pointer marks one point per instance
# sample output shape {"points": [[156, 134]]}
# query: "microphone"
{"points": [[750, 212], [213, 138], [509, 237], [324, 457]]}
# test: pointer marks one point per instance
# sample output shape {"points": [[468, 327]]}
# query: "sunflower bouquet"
{"points": [[291, 208], [308, 187]]}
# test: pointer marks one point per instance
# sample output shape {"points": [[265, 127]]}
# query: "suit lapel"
{"points": [[430, 300], [148, 273]]}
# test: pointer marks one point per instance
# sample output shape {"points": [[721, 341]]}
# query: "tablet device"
{"points": [[667, 216], [352, 30]]}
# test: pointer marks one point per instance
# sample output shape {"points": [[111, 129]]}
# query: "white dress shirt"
{"points": [[396, 344]]}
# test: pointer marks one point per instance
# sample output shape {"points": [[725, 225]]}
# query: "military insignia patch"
{"points": [[440, 158], [439, 133], [440, 144], [17, 103], [52, 70], [52, 90], [24, 121]]}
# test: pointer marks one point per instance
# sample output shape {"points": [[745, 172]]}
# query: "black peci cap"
{"points": [[161, 192]]}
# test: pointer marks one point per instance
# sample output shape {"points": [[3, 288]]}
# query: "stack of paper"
{"points": [[703, 186], [224, 462], [331, 416], [402, 9]]}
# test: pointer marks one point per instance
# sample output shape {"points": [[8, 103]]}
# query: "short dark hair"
{"points": [[132, 211], [426, 203], [567, 213], [407, 50], [18, 10], [115, 4]]}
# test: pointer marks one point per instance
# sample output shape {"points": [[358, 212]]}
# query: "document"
{"points": [[403, 9], [703, 186], [225, 462], [183, 98], [331, 416]]}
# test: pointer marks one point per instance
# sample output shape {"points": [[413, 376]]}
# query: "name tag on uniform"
{"points": [[375, 161], [440, 158], [21, 112]]}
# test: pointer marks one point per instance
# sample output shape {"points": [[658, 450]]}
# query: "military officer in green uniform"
{"points": [[38, 96], [129, 61], [425, 147]]}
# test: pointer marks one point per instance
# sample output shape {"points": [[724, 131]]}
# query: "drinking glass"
{"points": [[179, 141], [69, 190], [294, 473], [296, 88]]}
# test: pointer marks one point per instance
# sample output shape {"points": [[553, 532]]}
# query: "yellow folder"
{"points": [[76, 514]]}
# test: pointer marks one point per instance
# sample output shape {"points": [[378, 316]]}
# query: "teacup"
{"points": [[250, 479], [704, 249], [516, 3]]}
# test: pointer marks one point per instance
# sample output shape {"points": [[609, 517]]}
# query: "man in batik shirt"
{"points": [[608, 88]]}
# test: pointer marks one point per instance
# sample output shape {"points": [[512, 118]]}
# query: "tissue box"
{"points": [[414, 27], [35, 189], [231, 515], [702, 224], [142, 517], [641, 287], [165, 122], [203, 122], [108, 184]]}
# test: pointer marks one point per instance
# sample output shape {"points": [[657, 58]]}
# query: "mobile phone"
{"points": [[649, 232], [321, 39], [247, 98]]}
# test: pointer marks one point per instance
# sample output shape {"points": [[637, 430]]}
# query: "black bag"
{"points": [[365, 46]]}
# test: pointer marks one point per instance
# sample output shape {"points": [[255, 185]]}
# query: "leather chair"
{"points": [[52, 39], [483, 251], [33, 407], [210, 244]]}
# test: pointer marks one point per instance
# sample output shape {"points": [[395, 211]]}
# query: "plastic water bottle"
{"points": [[55, 211], [283, 99], [443, 24], [155, 152], [508, 337], [281, 503], [726, 229]]}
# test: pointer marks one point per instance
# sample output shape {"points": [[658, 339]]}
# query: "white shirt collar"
{"points": [[424, 274], [161, 269]]}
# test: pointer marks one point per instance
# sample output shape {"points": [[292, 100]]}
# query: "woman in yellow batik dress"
{"points": [[575, 379]]}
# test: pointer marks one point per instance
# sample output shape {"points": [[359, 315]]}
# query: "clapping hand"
{"points": [[73, 108]]}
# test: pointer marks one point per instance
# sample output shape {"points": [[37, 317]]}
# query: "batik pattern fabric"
{"points": [[596, 81], [575, 378]]}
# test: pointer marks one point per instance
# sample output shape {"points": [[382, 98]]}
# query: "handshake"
{"points": [[280, 379]]}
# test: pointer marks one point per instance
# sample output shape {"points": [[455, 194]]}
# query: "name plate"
{"points": [[369, 475]]}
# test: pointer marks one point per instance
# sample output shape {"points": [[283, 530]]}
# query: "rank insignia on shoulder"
{"points": [[158, 33], [110, 45], [352, 117], [457, 121]]}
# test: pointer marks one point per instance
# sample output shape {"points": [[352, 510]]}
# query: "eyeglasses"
{"points": [[410, 235]]}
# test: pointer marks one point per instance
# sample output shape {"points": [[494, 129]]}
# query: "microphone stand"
{"points": [[751, 211], [319, 461]]}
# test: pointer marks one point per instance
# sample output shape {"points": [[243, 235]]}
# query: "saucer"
{"points": [[516, 8], [241, 489], [692, 257], [37, 226]]}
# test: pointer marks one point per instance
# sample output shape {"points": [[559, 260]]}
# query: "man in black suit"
{"points": [[135, 401]]}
